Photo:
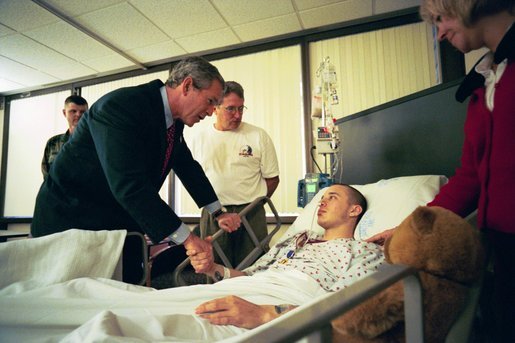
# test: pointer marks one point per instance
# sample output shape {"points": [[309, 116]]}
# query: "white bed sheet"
{"points": [[101, 310], [36, 262]]}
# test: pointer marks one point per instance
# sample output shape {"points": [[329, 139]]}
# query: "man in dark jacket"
{"points": [[109, 173]]}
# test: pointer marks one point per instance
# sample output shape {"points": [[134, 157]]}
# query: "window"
{"points": [[93, 93], [32, 122], [375, 67]]}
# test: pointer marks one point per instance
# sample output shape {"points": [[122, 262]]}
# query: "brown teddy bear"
{"points": [[448, 253]]}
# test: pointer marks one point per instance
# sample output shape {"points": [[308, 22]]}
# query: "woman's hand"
{"points": [[381, 237]]}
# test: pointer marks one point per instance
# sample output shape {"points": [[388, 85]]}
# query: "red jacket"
{"points": [[486, 178]]}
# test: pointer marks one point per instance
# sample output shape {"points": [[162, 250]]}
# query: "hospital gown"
{"points": [[334, 264]]}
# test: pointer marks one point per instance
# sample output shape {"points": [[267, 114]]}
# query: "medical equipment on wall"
{"points": [[325, 97], [310, 185], [327, 137], [326, 134]]}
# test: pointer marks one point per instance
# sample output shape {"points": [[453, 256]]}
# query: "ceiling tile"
{"points": [[24, 15], [384, 6], [123, 26], [267, 28], [69, 41], [4, 31], [23, 75], [74, 8], [308, 4], [108, 63], [7, 85], [208, 40], [245, 11], [156, 52], [69, 70], [181, 18], [336, 13], [30, 53]]}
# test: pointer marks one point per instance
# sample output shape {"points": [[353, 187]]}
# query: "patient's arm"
{"points": [[203, 262], [233, 310]]}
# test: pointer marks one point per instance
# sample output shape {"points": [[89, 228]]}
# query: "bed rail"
{"points": [[260, 246], [140, 264], [313, 322]]}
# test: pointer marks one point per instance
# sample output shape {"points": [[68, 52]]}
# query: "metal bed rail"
{"points": [[260, 246], [312, 323], [142, 261]]}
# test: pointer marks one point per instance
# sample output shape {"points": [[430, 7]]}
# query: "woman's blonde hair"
{"points": [[467, 11]]}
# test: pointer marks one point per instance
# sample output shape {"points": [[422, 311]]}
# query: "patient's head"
{"points": [[340, 210]]}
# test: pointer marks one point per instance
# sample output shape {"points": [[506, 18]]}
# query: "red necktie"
{"points": [[169, 139]]}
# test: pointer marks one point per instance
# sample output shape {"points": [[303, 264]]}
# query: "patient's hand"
{"points": [[381, 237], [229, 222], [233, 310]]}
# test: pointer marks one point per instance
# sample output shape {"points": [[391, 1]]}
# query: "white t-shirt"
{"points": [[236, 162]]}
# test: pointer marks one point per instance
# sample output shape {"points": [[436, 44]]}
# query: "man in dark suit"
{"points": [[107, 176]]}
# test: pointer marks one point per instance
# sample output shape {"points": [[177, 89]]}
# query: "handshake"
{"points": [[200, 251]]}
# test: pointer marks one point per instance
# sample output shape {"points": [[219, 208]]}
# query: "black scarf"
{"points": [[474, 80]]}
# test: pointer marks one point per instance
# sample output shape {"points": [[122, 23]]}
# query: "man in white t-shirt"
{"points": [[239, 160]]}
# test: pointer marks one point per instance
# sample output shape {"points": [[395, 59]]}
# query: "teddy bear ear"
{"points": [[423, 219]]}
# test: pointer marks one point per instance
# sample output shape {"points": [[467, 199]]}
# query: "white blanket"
{"points": [[99, 310], [37, 262], [44, 295]]}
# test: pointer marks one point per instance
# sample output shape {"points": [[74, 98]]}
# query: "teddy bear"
{"points": [[447, 252]]}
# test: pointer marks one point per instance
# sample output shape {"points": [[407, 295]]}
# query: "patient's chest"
{"points": [[334, 264]]}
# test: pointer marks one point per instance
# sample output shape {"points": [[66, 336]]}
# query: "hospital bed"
{"points": [[395, 173]]}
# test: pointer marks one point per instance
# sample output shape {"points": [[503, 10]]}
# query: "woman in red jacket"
{"points": [[486, 178]]}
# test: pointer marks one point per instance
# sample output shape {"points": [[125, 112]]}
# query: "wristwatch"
{"points": [[219, 277], [219, 212], [280, 309]]}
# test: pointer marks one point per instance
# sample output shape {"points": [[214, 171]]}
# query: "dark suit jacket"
{"points": [[109, 173]]}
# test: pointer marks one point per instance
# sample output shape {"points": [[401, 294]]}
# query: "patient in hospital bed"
{"points": [[334, 260], [295, 272]]}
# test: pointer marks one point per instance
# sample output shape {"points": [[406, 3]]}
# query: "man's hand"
{"points": [[203, 261], [200, 251], [233, 310], [229, 222], [381, 237]]}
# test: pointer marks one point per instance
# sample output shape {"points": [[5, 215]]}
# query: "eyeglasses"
{"points": [[233, 109]]}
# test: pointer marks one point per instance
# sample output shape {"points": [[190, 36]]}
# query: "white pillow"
{"points": [[389, 202]]}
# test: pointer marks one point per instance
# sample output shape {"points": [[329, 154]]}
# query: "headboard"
{"points": [[415, 135]]}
